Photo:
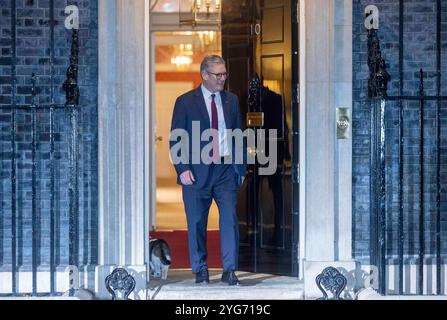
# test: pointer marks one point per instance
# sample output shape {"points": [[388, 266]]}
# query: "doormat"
{"points": [[178, 243]]}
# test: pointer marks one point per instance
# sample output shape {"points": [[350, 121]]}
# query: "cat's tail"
{"points": [[165, 256]]}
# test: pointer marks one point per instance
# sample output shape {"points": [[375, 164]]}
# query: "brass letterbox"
{"points": [[255, 119]]}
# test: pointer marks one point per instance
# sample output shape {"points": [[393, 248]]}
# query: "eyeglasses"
{"points": [[219, 75]]}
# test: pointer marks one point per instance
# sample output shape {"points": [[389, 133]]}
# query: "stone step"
{"points": [[254, 286]]}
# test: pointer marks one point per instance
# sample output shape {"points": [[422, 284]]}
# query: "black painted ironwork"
{"points": [[438, 149], [254, 105], [372, 187], [254, 94], [71, 83], [73, 188], [52, 160], [72, 100], [421, 190], [377, 88], [41, 106], [378, 190], [13, 149], [378, 75], [382, 194], [120, 284], [17, 219], [331, 280], [378, 99], [34, 213], [415, 98], [400, 223]]}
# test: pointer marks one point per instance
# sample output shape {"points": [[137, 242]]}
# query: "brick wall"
{"points": [[419, 52], [33, 56]]}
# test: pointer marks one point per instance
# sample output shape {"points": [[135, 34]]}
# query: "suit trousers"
{"points": [[222, 186]]}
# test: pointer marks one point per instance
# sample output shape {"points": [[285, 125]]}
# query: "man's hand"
{"points": [[187, 178], [242, 179]]}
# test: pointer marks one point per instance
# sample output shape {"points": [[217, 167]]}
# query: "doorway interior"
{"points": [[176, 62], [259, 39]]}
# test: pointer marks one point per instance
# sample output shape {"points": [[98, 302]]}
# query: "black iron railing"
{"points": [[17, 219], [386, 244]]}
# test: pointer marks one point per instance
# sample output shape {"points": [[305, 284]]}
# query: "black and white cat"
{"points": [[160, 258]]}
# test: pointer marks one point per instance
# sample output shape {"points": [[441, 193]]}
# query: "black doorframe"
{"points": [[295, 138], [237, 53]]}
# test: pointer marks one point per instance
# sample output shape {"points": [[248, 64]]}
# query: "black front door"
{"points": [[259, 43]]}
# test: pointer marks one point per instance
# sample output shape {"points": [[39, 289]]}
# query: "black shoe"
{"points": [[202, 276], [230, 278]]}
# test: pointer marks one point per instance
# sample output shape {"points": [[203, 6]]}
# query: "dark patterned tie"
{"points": [[214, 125], [214, 116]]}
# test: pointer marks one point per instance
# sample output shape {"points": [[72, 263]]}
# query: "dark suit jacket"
{"points": [[191, 107]]}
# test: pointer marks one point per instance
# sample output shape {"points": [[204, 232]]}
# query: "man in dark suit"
{"points": [[220, 179]]}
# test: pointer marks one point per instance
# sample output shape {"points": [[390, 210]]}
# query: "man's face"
{"points": [[214, 78]]}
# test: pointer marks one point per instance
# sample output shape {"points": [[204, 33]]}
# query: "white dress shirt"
{"points": [[223, 146]]}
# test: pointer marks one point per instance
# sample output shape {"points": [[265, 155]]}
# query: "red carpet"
{"points": [[178, 243]]}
